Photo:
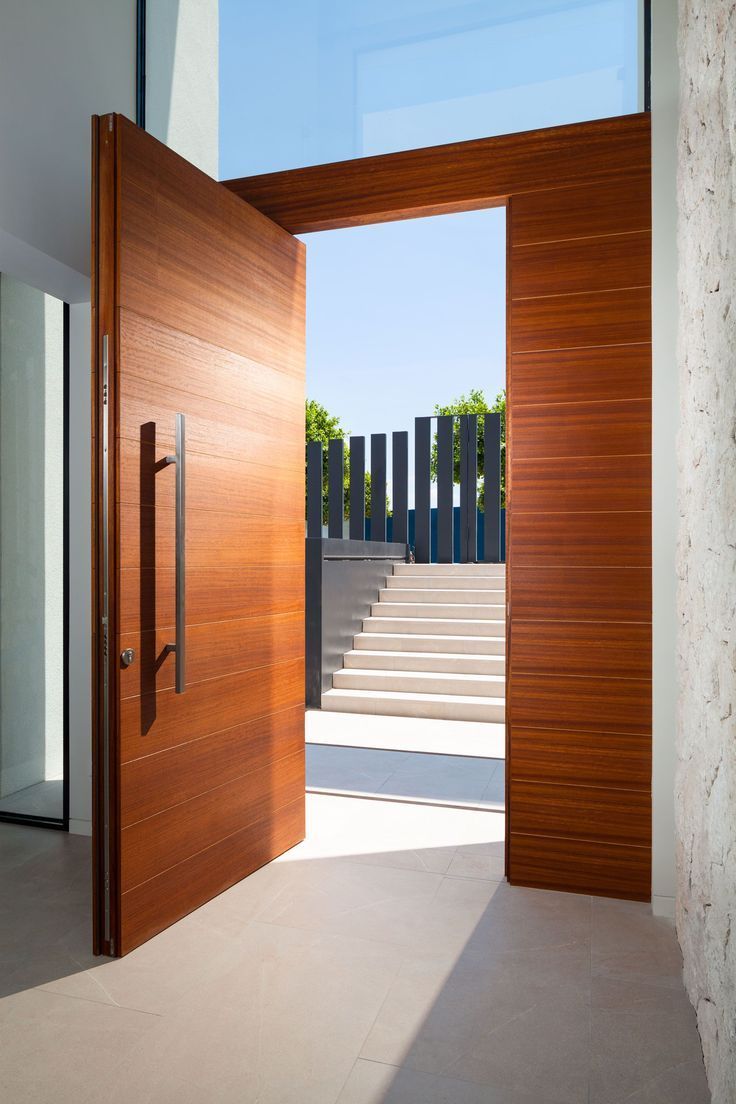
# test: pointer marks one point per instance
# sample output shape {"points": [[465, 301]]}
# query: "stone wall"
{"points": [[706, 779]]}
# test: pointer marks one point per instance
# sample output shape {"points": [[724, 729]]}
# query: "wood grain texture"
{"points": [[579, 536], [580, 866], [622, 428], [591, 539], [608, 759], [208, 300], [581, 703], [593, 812], [582, 483], [612, 372], [585, 319], [583, 648], [580, 593], [582, 265], [585, 211], [456, 177]]}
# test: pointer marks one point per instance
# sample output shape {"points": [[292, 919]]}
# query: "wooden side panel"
{"points": [[579, 665], [208, 308]]}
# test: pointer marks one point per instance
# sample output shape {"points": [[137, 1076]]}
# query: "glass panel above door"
{"points": [[304, 82]]}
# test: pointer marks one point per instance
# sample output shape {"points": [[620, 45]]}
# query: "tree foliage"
{"points": [[474, 402]]}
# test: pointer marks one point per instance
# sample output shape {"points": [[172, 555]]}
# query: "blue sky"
{"points": [[405, 315]]}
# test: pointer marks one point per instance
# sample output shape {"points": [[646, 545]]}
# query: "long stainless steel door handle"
{"points": [[179, 646]]}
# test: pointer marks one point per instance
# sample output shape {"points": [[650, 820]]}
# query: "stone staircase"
{"points": [[433, 646]]}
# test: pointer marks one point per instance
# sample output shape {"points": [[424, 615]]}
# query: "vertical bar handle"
{"points": [[179, 646]]}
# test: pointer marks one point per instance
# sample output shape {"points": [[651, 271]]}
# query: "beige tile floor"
{"points": [[384, 960]]}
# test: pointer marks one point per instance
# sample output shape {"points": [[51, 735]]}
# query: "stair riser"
{"points": [[386, 707], [444, 597], [476, 570], [444, 582], [379, 640], [408, 683], [451, 664], [431, 609], [427, 626]]}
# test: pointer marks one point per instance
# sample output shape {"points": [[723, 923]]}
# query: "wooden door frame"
{"points": [[463, 176]]}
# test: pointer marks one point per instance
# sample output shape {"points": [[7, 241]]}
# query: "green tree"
{"points": [[474, 402], [325, 427]]}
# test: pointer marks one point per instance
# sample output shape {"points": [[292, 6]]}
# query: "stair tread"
{"points": [[450, 675], [360, 653], [407, 695]]}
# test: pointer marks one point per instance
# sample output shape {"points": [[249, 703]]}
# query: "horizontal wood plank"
{"points": [[594, 539], [608, 759], [583, 483], [582, 648], [159, 721], [580, 593], [581, 812], [215, 649], [621, 428], [584, 704], [584, 211], [581, 866], [613, 372], [581, 265], [175, 834], [581, 320]]}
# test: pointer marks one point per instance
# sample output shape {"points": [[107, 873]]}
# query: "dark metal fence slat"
{"points": [[400, 486], [492, 488], [357, 488], [378, 486], [445, 465], [422, 479], [335, 487], [314, 488]]}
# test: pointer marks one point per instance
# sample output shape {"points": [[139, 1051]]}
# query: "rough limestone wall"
{"points": [[706, 780]]}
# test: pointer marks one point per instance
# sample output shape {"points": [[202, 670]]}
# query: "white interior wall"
{"points": [[664, 433]]}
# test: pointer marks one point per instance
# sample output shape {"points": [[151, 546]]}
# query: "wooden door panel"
{"points": [[199, 302], [170, 777], [612, 372], [147, 597], [214, 649], [154, 722], [153, 845], [583, 648], [582, 539]]}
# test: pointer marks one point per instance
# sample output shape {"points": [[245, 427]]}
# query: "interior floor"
{"points": [[383, 960], [45, 799]]}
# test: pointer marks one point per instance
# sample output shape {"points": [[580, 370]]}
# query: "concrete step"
{"points": [[388, 703], [450, 662], [494, 583], [379, 639], [434, 626], [443, 597], [420, 682], [455, 611], [497, 571]]}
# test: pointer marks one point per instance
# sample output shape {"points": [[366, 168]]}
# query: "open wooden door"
{"points": [[198, 377]]}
